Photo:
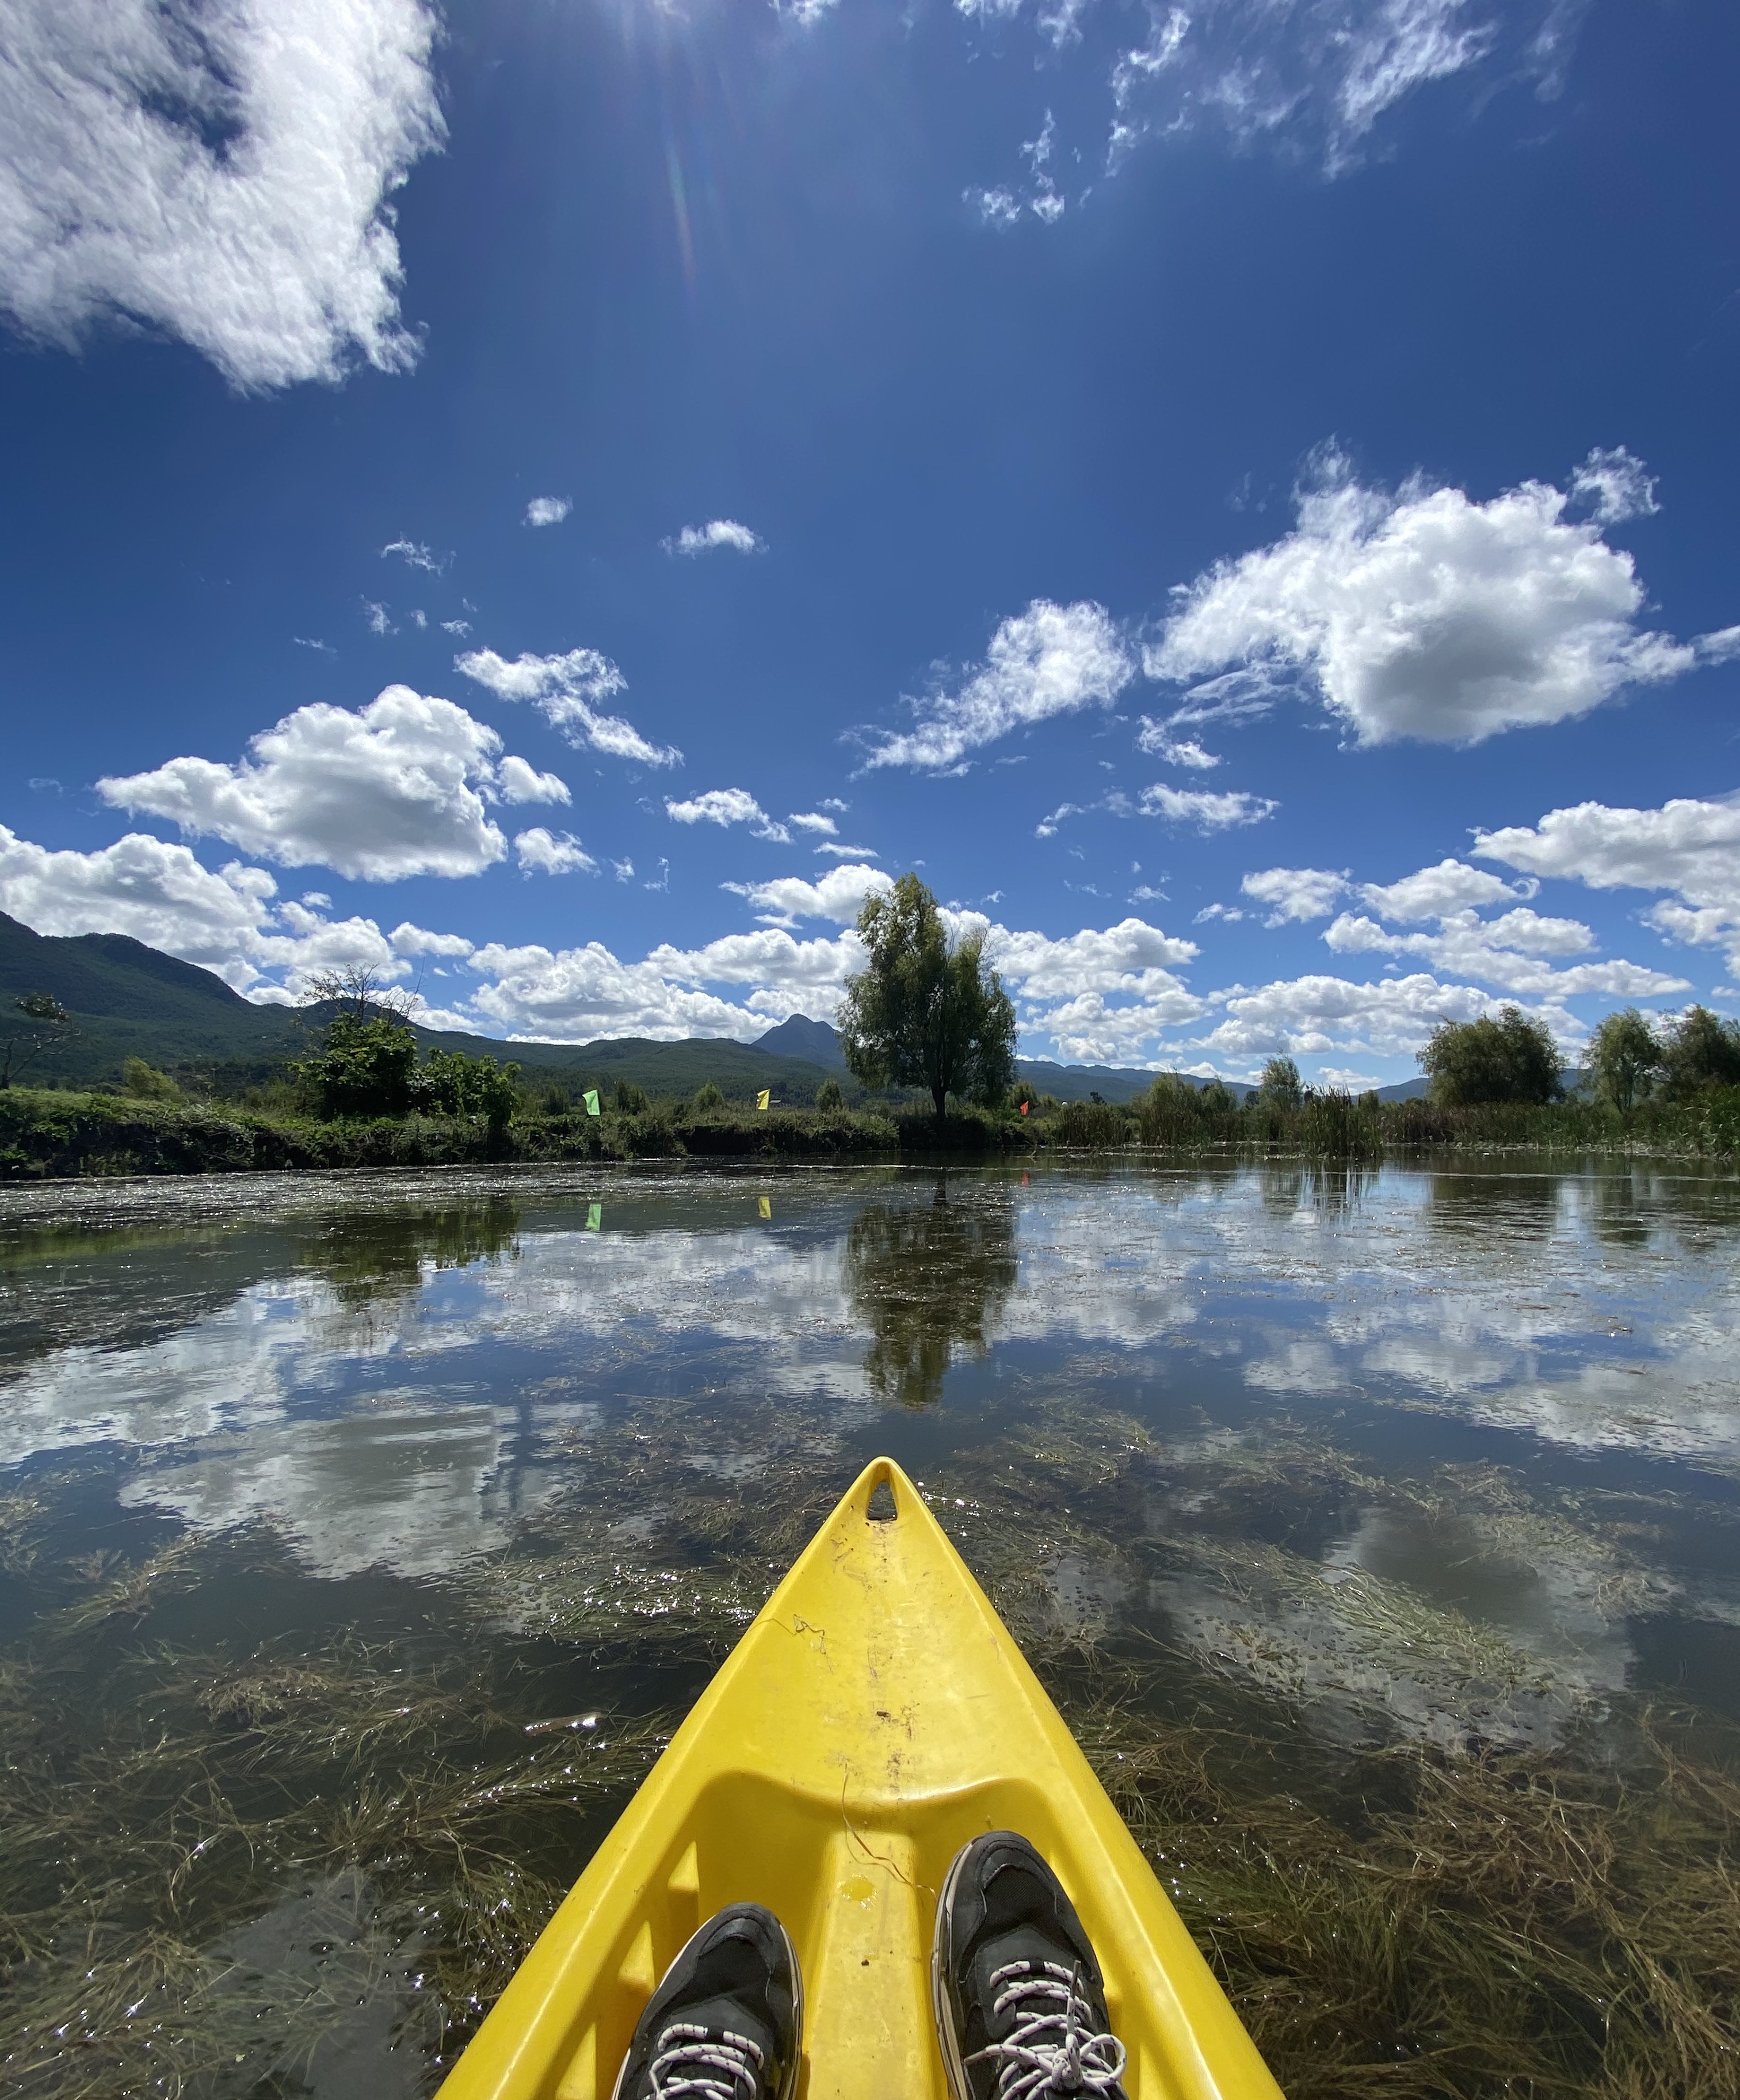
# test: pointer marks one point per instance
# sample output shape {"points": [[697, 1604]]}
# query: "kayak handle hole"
{"points": [[880, 1508]]}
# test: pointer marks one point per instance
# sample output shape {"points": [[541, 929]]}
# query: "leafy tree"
{"points": [[1282, 1087], [364, 1068], [1624, 1057], [147, 1083], [709, 1096], [1510, 1059], [49, 1023], [1025, 1091], [629, 1099], [925, 1012], [1699, 1050], [830, 1098], [452, 1083]]}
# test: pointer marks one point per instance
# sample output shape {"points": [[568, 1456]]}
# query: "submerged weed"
{"points": [[220, 1866]]}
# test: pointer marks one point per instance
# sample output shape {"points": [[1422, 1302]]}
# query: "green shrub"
{"points": [[451, 1083], [146, 1083], [364, 1068], [709, 1098], [830, 1098], [629, 1099]]}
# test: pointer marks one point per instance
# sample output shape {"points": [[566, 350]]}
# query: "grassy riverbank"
{"points": [[46, 1135]]}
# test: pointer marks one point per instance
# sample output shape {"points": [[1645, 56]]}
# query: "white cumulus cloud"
{"points": [[788, 975], [1308, 1015], [518, 781], [1688, 846], [1051, 659], [716, 533], [158, 893], [1425, 614], [730, 805], [1515, 951], [216, 169], [1295, 893], [541, 852], [398, 788], [547, 509], [566, 691], [812, 820], [839, 895], [1432, 892], [577, 994]]}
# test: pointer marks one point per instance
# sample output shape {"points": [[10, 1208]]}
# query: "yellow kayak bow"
{"points": [[875, 1716]]}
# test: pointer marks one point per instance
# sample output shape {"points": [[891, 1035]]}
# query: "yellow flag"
{"points": [[761, 1099], [765, 1206]]}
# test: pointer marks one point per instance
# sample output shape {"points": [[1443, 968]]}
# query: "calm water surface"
{"points": [[320, 1496]]}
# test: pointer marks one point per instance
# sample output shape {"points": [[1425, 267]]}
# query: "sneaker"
{"points": [[727, 2023], [1020, 2002]]}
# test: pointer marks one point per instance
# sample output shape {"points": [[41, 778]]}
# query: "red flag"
{"points": [[1024, 1108]]}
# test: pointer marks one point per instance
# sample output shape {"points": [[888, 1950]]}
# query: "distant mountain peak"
{"points": [[801, 1037]]}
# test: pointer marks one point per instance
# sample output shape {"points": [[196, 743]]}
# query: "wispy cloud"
{"points": [[414, 555], [1205, 812], [566, 691], [1051, 659]]}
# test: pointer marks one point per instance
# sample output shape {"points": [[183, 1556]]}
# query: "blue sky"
{"points": [[548, 499]]}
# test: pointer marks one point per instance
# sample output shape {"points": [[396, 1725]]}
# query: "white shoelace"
{"points": [[1052, 2047], [705, 2063]]}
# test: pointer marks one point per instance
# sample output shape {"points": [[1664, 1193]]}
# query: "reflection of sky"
{"points": [[396, 1426]]}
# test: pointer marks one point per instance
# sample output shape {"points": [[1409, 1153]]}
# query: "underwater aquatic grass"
{"points": [[1392, 1916]]}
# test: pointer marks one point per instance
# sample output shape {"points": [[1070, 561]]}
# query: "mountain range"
{"points": [[130, 1000]]}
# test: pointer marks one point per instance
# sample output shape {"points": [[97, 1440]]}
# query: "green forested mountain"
{"points": [[128, 1000]]}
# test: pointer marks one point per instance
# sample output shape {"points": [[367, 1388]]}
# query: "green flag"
{"points": [[590, 1099], [595, 1217]]}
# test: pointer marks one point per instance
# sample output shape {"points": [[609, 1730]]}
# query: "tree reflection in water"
{"points": [[368, 1256], [928, 1280]]}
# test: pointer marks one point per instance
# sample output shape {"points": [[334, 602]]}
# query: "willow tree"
{"points": [[926, 1011]]}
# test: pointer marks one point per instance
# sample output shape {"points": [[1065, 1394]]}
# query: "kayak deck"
{"points": [[875, 1716]]}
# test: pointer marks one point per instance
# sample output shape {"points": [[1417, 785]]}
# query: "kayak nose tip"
{"points": [[880, 1504]]}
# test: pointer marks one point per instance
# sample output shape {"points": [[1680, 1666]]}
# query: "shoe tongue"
{"points": [[1024, 1945], [721, 2017]]}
